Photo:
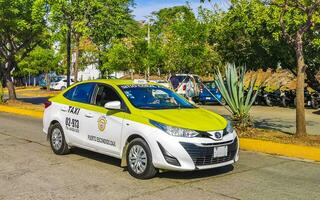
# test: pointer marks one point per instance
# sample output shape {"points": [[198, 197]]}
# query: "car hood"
{"points": [[195, 119]]}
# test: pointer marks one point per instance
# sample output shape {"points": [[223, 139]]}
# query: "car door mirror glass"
{"points": [[113, 105]]}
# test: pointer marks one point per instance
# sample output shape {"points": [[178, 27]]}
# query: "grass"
{"points": [[34, 92], [24, 105]]}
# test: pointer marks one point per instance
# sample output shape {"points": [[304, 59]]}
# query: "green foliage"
{"points": [[119, 57], [97, 21], [231, 86], [183, 40], [40, 60], [22, 24]]}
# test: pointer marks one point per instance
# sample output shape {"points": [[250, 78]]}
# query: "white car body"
{"points": [[61, 84]]}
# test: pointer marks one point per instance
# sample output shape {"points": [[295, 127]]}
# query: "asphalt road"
{"points": [[29, 170]]}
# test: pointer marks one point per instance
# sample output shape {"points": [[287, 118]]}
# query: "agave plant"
{"points": [[238, 99]]}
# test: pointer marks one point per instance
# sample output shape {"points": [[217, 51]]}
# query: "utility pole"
{"points": [[148, 39], [68, 51]]}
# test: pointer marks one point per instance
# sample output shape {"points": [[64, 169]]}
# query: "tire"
{"points": [[140, 171], [57, 140], [62, 88]]}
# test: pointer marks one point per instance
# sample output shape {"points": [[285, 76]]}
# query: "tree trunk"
{"points": [[301, 68], [9, 66], [131, 74], [47, 81], [76, 59]]}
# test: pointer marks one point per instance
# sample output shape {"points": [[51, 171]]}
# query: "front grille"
{"points": [[204, 155]]}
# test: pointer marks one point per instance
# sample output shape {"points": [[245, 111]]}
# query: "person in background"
{"points": [[190, 90]]}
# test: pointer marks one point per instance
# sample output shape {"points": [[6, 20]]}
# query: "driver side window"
{"points": [[106, 94]]}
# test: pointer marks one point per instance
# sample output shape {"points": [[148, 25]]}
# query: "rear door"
{"points": [[76, 112]]}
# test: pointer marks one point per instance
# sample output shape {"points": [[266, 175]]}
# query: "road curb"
{"points": [[21, 111], [289, 150]]}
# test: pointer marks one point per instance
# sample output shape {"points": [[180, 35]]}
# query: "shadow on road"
{"points": [[170, 174], [316, 112], [96, 156], [34, 100], [273, 124], [197, 174]]}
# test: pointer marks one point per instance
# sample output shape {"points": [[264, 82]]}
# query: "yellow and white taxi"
{"points": [[146, 125]]}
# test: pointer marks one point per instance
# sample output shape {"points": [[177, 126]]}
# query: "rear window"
{"points": [[81, 93], [176, 80]]}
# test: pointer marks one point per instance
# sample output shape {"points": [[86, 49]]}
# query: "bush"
{"points": [[238, 99]]}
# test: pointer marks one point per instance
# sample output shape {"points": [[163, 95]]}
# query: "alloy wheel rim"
{"points": [[56, 139], [138, 159]]}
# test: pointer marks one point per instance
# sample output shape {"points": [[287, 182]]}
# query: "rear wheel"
{"points": [[63, 88], [57, 140], [139, 160]]}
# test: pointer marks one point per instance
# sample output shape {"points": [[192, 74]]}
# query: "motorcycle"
{"points": [[288, 98], [313, 100], [262, 97]]}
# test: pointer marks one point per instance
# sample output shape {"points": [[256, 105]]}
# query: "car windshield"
{"points": [[57, 79], [210, 85], [154, 97]]}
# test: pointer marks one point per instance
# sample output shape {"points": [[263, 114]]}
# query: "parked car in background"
{"points": [[209, 93], [162, 82], [179, 83], [42, 79], [60, 83]]}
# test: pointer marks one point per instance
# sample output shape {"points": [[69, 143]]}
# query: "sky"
{"points": [[146, 7]]}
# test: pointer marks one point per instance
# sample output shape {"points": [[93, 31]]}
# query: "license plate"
{"points": [[309, 103], [220, 151], [208, 98]]}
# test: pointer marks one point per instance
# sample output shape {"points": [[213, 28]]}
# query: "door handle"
{"points": [[63, 110], [89, 115]]}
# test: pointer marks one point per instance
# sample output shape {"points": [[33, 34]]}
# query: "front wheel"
{"points": [[139, 160], [57, 140]]}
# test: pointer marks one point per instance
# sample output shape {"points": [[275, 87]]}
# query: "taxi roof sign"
{"points": [[140, 81]]}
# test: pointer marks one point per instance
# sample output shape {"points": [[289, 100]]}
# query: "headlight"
{"points": [[174, 131], [229, 128]]}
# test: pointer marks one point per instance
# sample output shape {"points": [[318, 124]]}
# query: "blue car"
{"points": [[206, 97]]}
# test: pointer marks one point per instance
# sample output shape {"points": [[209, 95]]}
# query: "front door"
{"points": [[105, 126]]}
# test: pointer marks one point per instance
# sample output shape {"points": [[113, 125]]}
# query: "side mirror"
{"points": [[113, 105]]}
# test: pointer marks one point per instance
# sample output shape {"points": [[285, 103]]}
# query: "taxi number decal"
{"points": [[72, 124]]}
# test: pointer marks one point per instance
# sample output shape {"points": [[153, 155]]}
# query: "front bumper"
{"points": [[194, 153]]}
